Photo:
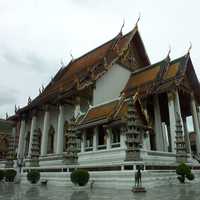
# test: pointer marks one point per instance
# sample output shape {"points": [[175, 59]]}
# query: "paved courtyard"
{"points": [[28, 192]]}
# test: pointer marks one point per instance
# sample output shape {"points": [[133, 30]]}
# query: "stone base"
{"points": [[138, 189]]}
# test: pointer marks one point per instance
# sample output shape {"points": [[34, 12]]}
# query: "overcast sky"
{"points": [[35, 35]]}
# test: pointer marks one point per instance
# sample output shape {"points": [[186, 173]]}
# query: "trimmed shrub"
{"points": [[184, 171], [190, 176], [33, 176], [1, 175], [10, 175], [80, 177]]}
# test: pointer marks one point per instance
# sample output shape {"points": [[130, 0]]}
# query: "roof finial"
{"points": [[42, 87], [72, 58], [190, 47], [122, 26], [15, 108], [138, 19], [62, 63], [29, 100], [6, 115], [169, 51]]}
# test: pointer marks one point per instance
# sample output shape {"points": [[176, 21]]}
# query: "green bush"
{"points": [[33, 176], [1, 175], [10, 175], [80, 177], [184, 171], [190, 176]]}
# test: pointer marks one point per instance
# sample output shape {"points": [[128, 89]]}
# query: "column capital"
{"points": [[192, 95], [23, 116], [34, 112], [46, 107], [171, 95]]}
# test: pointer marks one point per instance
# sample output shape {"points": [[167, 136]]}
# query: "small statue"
{"points": [[138, 181]]}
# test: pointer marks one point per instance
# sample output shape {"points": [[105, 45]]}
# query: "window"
{"points": [[115, 137], [89, 140], [102, 138]]}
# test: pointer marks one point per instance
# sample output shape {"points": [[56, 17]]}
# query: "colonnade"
{"points": [[45, 130], [174, 109]]}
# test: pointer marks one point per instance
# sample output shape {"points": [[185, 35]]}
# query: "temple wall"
{"points": [[111, 84]]}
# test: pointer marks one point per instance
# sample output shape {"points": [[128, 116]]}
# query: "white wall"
{"points": [[111, 84]]}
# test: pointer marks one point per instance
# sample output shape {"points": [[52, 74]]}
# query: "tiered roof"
{"points": [[85, 70], [115, 110], [163, 76]]}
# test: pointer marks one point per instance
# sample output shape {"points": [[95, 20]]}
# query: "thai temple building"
{"points": [[112, 110]]}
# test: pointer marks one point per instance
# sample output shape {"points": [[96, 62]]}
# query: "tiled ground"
{"points": [[28, 192]]}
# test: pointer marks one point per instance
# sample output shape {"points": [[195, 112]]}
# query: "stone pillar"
{"points": [[83, 142], [60, 135], [195, 123], [164, 131], [21, 139], [178, 108], [108, 138], [45, 132], [95, 135], [158, 125], [172, 121], [33, 128]]}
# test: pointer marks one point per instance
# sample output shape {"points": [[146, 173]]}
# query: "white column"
{"points": [[172, 121], [108, 138], [60, 135], [21, 139], [198, 113], [165, 134], [188, 145], [146, 141], [195, 122], [122, 139], [45, 133], [33, 127], [83, 139], [158, 125], [95, 135]]}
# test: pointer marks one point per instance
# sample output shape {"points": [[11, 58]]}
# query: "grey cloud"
{"points": [[24, 60], [8, 96]]}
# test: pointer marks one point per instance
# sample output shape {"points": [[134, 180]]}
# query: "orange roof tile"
{"points": [[171, 71], [99, 112]]}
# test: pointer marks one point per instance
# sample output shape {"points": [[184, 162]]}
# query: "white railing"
{"points": [[88, 148], [101, 147], [115, 145]]}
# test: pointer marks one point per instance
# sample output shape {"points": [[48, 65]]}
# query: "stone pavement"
{"points": [[189, 191]]}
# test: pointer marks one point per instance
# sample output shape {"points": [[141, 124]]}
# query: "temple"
{"points": [[111, 109]]}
